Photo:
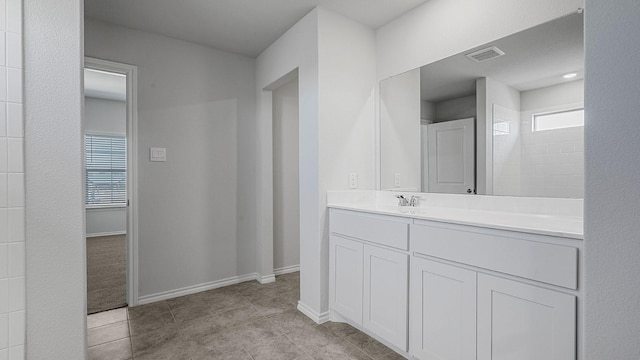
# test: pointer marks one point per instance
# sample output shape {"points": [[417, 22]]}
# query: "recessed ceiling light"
{"points": [[570, 75]]}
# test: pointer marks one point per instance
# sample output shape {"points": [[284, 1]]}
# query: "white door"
{"points": [[385, 294], [443, 311], [524, 322], [452, 156], [345, 272]]}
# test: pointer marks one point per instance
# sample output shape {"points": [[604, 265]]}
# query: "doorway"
{"points": [[286, 189], [109, 168]]}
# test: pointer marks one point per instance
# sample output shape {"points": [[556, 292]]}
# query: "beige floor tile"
{"points": [[221, 302], [115, 350], [229, 352], [238, 316], [107, 333], [247, 321], [106, 318], [145, 310], [272, 306], [279, 348], [152, 322], [254, 333]]}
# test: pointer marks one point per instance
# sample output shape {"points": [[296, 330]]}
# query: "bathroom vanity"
{"points": [[458, 277]]}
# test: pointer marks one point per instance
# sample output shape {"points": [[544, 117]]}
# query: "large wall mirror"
{"points": [[505, 118]]}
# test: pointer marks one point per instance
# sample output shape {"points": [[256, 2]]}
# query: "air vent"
{"points": [[485, 54]]}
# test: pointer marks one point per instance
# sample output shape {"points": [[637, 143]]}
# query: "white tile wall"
{"points": [[12, 254]]}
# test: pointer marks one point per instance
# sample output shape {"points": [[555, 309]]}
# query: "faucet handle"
{"points": [[414, 200], [402, 201]]}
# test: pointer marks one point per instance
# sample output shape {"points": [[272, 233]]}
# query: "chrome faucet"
{"points": [[402, 201], [414, 201]]}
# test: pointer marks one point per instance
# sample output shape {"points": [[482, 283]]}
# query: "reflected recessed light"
{"points": [[570, 75]]}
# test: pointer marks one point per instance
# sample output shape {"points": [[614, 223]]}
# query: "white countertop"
{"points": [[553, 224]]}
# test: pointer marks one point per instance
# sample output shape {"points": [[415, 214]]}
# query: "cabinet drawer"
{"points": [[544, 262], [373, 228]]}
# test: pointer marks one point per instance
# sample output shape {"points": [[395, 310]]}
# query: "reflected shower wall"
{"points": [[547, 161]]}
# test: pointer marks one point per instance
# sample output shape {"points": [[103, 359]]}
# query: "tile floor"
{"points": [[244, 321]]}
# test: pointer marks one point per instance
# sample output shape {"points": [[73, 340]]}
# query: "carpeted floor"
{"points": [[106, 273]]}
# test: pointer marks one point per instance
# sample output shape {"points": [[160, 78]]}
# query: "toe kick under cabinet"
{"points": [[439, 291]]}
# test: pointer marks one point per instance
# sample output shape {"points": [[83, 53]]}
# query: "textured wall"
{"points": [[12, 251], [612, 199], [55, 244]]}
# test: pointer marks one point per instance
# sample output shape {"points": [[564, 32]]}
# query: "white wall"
{"points": [[455, 109], [490, 93], [194, 223], [507, 149], [106, 221], [400, 153], [297, 49], [427, 111], [347, 83], [55, 245], [441, 28], [571, 92], [286, 189], [335, 59], [12, 192], [612, 200], [102, 116]]}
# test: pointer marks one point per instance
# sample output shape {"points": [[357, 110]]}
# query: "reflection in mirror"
{"points": [[505, 118]]}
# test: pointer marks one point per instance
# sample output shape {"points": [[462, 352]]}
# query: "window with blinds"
{"points": [[106, 170]]}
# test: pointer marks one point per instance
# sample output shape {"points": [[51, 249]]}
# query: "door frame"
{"points": [[131, 73]]}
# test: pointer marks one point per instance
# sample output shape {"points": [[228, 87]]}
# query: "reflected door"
{"points": [[452, 157]]}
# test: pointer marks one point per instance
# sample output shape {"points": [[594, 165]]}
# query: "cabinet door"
{"points": [[345, 277], [385, 294], [524, 322], [443, 311]]}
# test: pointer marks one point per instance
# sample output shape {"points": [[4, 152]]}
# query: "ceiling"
{"points": [[241, 26], [534, 58]]}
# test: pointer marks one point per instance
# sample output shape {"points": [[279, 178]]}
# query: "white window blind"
{"points": [[106, 170]]}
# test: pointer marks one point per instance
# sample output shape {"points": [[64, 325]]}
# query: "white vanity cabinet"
{"points": [[526, 322], [473, 304], [443, 311], [369, 273], [435, 290], [386, 289], [346, 281]]}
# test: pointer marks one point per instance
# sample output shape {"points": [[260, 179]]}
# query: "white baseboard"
{"points": [[286, 270], [262, 279], [147, 299], [265, 279], [316, 317], [112, 233]]}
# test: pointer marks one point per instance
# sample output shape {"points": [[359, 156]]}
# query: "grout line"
{"points": [[111, 341]]}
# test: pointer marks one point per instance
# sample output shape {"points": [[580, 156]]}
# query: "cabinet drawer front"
{"points": [[384, 231], [548, 263]]}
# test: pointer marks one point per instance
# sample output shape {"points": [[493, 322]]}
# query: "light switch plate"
{"points": [[157, 154]]}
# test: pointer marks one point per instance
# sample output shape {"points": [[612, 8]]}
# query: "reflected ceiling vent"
{"points": [[485, 54]]}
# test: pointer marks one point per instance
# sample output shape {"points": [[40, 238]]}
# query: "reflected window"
{"points": [[558, 120]]}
